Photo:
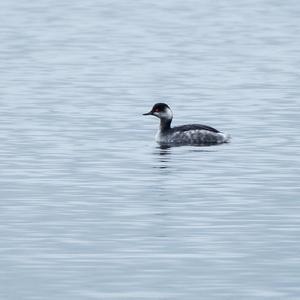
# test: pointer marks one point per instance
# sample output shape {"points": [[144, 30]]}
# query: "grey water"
{"points": [[91, 207]]}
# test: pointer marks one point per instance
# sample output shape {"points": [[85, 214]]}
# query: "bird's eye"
{"points": [[156, 110]]}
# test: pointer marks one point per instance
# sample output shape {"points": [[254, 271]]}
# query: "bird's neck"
{"points": [[165, 124]]}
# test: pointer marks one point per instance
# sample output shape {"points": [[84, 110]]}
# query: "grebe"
{"points": [[194, 134]]}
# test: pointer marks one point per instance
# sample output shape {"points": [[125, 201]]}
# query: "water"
{"points": [[91, 208]]}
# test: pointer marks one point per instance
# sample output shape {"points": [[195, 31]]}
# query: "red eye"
{"points": [[156, 110]]}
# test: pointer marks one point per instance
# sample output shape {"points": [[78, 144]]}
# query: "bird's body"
{"points": [[193, 134]]}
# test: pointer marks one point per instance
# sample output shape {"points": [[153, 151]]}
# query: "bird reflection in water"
{"points": [[164, 156]]}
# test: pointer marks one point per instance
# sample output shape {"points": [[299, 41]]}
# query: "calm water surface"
{"points": [[91, 208]]}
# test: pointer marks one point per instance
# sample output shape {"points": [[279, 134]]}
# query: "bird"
{"points": [[192, 134]]}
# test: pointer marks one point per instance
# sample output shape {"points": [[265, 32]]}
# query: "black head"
{"points": [[160, 110]]}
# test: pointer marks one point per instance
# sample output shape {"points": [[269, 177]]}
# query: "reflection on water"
{"points": [[163, 154], [91, 207]]}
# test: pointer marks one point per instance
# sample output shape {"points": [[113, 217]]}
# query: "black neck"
{"points": [[165, 124]]}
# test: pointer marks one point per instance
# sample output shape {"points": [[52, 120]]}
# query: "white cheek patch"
{"points": [[167, 114]]}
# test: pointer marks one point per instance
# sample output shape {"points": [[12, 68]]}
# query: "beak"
{"points": [[148, 113]]}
